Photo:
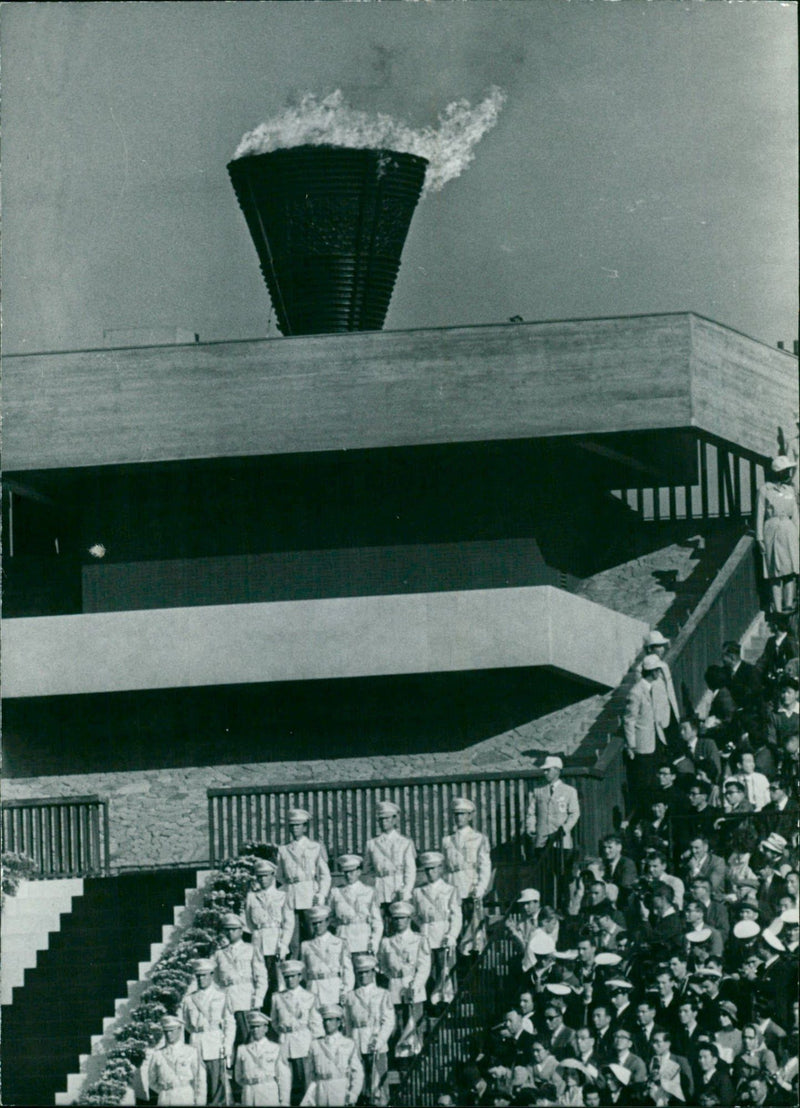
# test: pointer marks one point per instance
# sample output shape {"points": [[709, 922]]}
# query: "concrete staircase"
{"points": [[93, 958], [29, 919], [755, 639], [90, 1066]]}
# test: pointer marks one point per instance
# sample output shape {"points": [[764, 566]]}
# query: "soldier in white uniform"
{"points": [[369, 1021], [437, 913], [295, 1018], [337, 1076], [270, 920], [240, 974], [355, 911], [390, 858], [326, 958], [303, 872], [211, 1027], [404, 958], [262, 1072], [176, 1071], [468, 867]]}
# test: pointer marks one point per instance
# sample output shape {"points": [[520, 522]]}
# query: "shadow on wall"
{"points": [[286, 721]]}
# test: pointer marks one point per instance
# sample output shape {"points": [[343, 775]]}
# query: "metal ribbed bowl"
{"points": [[329, 224]]}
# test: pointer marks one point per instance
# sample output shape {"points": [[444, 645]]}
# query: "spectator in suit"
{"points": [[666, 1000], [646, 1020], [784, 721], [703, 815], [673, 1073], [559, 1039], [601, 1021], [644, 724], [624, 1056], [782, 814], [515, 1046], [744, 682], [781, 648], [689, 1032], [656, 646], [617, 867], [698, 756], [698, 861], [553, 808], [737, 825], [711, 1080], [716, 707], [716, 911]]}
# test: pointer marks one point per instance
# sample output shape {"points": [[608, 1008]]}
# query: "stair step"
{"points": [[101, 946]]}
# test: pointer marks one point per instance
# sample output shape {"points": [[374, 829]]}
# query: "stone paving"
{"points": [[159, 817]]}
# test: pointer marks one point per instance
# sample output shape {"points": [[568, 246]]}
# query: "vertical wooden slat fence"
{"points": [[725, 612], [343, 812], [726, 487], [65, 837]]}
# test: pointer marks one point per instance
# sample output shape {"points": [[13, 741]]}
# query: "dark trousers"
{"points": [[300, 1070], [215, 1082], [641, 774]]}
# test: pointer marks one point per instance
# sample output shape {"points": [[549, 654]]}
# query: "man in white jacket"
{"points": [[468, 867]]}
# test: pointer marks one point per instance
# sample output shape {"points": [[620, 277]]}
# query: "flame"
{"points": [[449, 148]]}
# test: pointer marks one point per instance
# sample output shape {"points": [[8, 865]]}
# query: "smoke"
{"points": [[448, 147]]}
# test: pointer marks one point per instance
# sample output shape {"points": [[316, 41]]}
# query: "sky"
{"points": [[645, 160]]}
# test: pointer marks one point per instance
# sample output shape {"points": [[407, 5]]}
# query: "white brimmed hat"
{"points": [[349, 862], [781, 462], [746, 929], [298, 815], [541, 943], [430, 858], [263, 865], [528, 896], [552, 761], [622, 1073], [649, 664], [655, 638], [462, 804], [386, 808]]}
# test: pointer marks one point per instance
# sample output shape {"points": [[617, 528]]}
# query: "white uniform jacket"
{"points": [[467, 862], [209, 1023], [369, 1018], [262, 1073], [303, 871], [405, 959], [335, 1070], [328, 967], [176, 1072], [270, 920], [437, 912], [392, 859], [295, 1017], [242, 975], [356, 913]]}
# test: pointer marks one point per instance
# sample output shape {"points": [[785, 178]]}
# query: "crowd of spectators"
{"points": [[666, 970]]}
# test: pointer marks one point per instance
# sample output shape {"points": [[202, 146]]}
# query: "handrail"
{"points": [[64, 836]]}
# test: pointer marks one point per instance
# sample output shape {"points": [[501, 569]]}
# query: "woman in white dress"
{"points": [[777, 533]]}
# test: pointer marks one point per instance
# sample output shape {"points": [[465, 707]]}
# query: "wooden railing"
{"points": [[343, 812], [492, 983], [726, 486], [65, 837], [725, 612]]}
